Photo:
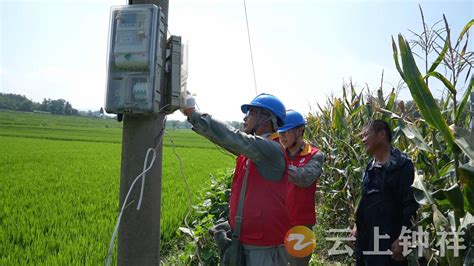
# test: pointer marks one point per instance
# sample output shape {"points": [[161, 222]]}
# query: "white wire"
{"points": [[143, 179], [142, 174], [188, 192], [251, 53], [145, 170]]}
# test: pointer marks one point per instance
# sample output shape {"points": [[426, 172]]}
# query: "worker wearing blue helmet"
{"points": [[258, 215], [305, 167], [266, 104]]}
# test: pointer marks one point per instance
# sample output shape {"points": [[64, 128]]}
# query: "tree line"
{"points": [[16, 102]]}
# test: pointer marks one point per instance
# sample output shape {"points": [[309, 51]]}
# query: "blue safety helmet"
{"points": [[269, 103], [293, 119]]}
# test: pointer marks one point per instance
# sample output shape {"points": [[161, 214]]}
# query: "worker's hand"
{"points": [[292, 173], [397, 251], [292, 170], [188, 104], [353, 236]]}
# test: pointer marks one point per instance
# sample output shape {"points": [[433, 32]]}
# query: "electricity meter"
{"points": [[135, 59]]}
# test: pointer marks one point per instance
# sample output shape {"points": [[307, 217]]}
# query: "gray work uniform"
{"points": [[269, 159], [305, 176]]}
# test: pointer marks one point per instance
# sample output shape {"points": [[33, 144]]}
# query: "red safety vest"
{"points": [[265, 215], [301, 206]]}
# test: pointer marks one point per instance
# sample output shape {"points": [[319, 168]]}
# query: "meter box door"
{"points": [[135, 59], [173, 64]]}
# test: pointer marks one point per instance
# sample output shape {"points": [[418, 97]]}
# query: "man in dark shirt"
{"points": [[387, 203]]}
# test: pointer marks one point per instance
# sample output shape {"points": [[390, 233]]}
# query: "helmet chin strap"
{"points": [[274, 122], [262, 122], [296, 139], [257, 125]]}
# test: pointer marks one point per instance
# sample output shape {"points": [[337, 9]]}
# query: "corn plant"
{"points": [[433, 132], [335, 130], [444, 185]]}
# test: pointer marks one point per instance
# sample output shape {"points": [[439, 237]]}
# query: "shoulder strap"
{"points": [[238, 215]]}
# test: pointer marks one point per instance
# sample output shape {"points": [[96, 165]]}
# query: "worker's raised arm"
{"points": [[267, 154]]}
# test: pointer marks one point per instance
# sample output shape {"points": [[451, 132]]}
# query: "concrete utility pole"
{"points": [[139, 231]]}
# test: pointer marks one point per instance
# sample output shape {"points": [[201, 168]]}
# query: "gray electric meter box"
{"points": [[135, 59]]}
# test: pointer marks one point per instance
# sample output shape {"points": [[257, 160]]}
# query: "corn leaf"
{"points": [[465, 29], [465, 141], [466, 174], [440, 56], [463, 51], [455, 197], [467, 220], [186, 231], [391, 101], [439, 220], [353, 92], [421, 93], [420, 191], [338, 115], [441, 200], [414, 135], [443, 79], [464, 100], [395, 58]]}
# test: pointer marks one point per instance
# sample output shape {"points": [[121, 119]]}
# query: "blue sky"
{"points": [[303, 50]]}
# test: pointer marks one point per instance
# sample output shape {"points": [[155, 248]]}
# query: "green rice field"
{"points": [[60, 178]]}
